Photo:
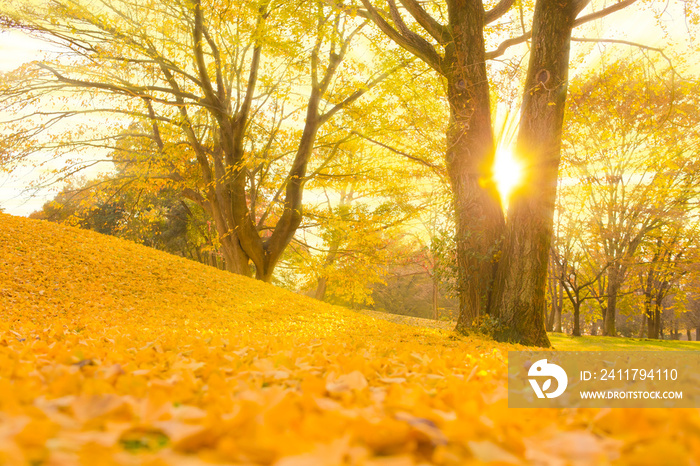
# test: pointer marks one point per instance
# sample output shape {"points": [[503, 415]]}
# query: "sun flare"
{"points": [[507, 172]]}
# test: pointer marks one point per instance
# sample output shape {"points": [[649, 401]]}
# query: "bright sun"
{"points": [[507, 173]]}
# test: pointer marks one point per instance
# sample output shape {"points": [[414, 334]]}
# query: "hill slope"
{"points": [[114, 353]]}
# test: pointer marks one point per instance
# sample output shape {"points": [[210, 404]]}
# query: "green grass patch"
{"points": [[564, 342]]}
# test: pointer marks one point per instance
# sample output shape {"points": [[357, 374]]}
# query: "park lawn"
{"points": [[564, 342], [114, 353]]}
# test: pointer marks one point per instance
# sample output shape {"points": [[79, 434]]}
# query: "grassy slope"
{"points": [[113, 353]]}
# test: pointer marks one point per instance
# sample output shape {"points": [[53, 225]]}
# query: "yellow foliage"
{"points": [[114, 353]]}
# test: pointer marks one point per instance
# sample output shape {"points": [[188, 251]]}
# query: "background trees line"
{"points": [[630, 176], [239, 109]]}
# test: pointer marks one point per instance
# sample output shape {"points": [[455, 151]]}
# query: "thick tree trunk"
{"points": [[687, 334], [652, 324], [469, 157], [577, 320], [697, 333], [520, 283], [293, 211], [320, 293], [609, 322], [235, 259]]}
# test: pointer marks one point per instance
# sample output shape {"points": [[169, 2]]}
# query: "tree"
{"points": [[502, 268], [631, 142], [666, 257], [238, 92], [156, 218], [352, 231], [692, 317], [576, 271]]}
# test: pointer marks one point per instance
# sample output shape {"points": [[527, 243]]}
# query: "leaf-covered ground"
{"points": [[113, 353]]}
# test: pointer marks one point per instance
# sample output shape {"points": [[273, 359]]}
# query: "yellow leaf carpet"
{"points": [[114, 353]]}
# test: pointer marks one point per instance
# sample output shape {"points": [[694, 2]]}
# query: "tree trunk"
{"points": [[469, 158], [343, 209], [613, 288], [522, 272], [577, 320], [553, 295], [656, 313], [687, 334], [436, 296], [550, 318], [560, 307], [292, 214], [323, 280], [676, 332], [235, 258], [697, 333], [320, 293], [652, 324]]}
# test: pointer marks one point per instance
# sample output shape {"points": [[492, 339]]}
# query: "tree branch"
{"points": [[413, 43], [439, 32], [506, 44], [604, 12], [437, 168], [497, 11], [359, 93]]}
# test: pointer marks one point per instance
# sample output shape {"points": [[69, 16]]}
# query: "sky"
{"points": [[629, 24], [15, 49]]}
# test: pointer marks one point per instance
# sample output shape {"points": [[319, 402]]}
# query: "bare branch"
{"points": [[359, 93], [604, 12], [439, 32], [497, 11], [439, 170], [631, 44], [506, 44]]}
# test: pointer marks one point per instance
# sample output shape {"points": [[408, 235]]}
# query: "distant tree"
{"points": [[158, 219], [692, 317], [666, 258], [629, 145]]}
